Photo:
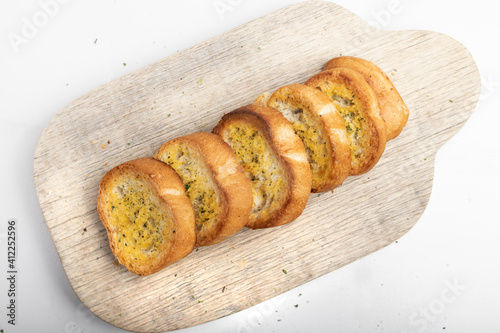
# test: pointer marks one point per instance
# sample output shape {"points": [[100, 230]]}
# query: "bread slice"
{"points": [[392, 107], [358, 105], [148, 217], [317, 122], [274, 160], [215, 183]]}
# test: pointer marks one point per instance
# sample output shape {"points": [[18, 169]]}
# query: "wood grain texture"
{"points": [[132, 116]]}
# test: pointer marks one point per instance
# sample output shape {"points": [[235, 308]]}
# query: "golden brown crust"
{"points": [[233, 187], [375, 131], [165, 185], [332, 126], [392, 107], [289, 150], [262, 99]]}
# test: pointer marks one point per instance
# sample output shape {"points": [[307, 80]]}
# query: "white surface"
{"points": [[441, 276]]}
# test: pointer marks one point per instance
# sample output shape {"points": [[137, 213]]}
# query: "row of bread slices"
{"points": [[256, 169]]}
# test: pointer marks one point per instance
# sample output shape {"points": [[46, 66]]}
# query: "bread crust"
{"points": [[323, 111], [262, 99], [392, 107], [290, 151], [167, 186], [232, 185], [360, 88]]}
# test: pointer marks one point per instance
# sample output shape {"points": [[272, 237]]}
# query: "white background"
{"points": [[442, 276]]}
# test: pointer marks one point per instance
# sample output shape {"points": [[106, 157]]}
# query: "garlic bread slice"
{"points": [[214, 181], [358, 106], [273, 158], [148, 217], [392, 107], [317, 122]]}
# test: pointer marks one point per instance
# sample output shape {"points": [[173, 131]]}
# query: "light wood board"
{"points": [[190, 91]]}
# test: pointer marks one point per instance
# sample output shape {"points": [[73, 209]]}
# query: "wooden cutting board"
{"points": [[188, 92]]}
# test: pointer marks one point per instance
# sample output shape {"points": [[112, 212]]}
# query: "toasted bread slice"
{"points": [[148, 217], [392, 107], [359, 107], [317, 122], [215, 183], [274, 160]]}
